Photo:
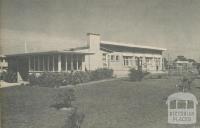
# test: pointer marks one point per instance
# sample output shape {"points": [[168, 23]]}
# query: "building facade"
{"points": [[97, 54], [3, 63], [121, 57]]}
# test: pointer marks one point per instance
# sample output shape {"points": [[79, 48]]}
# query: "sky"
{"points": [[61, 24]]}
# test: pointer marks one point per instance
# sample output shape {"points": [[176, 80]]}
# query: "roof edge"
{"points": [[132, 45]]}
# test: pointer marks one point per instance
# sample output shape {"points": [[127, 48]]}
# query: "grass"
{"points": [[30, 107], [111, 104], [124, 104]]}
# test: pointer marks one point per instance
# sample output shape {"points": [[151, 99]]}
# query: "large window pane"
{"points": [[36, 63], [80, 58], [45, 63], [63, 62], [55, 62], [31, 63], [40, 63], [75, 62], [50, 63], [68, 62]]}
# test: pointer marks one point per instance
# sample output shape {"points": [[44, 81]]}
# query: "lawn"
{"points": [[111, 104], [30, 107], [125, 104]]}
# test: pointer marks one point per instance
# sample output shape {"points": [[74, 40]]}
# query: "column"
{"points": [[53, 62], [47, 63], [59, 63], [38, 62], [33, 63], [144, 63], [43, 63], [161, 64], [66, 62], [72, 59], [77, 62], [29, 63]]}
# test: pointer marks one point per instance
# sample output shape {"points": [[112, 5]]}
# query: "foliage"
{"points": [[101, 73], [186, 81], [80, 77], [136, 75], [198, 68], [65, 98], [10, 77], [52, 79], [75, 119]]}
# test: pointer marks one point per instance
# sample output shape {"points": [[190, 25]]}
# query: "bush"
{"points": [[10, 77], [80, 77], [136, 75], [52, 79], [64, 99], [101, 73]]}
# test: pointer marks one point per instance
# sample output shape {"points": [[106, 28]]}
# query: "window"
{"points": [[46, 63], [112, 57], [55, 63], [41, 63], [148, 60], [80, 58], [69, 67], [31, 63], [63, 62], [104, 57], [36, 63], [128, 60], [117, 58], [50, 63]]}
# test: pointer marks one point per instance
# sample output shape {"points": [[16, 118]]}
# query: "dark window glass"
{"points": [[63, 62]]}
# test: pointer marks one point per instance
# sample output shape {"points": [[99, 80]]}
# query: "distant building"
{"points": [[182, 63], [3, 63], [97, 54]]}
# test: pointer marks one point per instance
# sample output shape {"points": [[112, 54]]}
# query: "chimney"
{"points": [[93, 42]]}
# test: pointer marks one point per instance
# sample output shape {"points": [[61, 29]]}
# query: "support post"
{"points": [[77, 62], [43, 63], [47, 63], [59, 63], [66, 62], [53, 62], [29, 63], [72, 59]]}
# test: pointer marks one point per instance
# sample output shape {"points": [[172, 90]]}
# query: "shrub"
{"points": [[64, 98], [101, 73], [80, 77], [52, 79], [10, 77], [136, 75], [75, 119]]}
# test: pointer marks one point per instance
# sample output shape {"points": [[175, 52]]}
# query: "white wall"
{"points": [[95, 60]]}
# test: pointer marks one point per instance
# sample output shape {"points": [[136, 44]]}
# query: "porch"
{"points": [[54, 61]]}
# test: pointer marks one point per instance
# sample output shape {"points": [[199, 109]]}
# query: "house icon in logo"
{"points": [[182, 108]]}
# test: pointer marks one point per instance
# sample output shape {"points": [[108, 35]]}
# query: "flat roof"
{"points": [[132, 45], [50, 52]]}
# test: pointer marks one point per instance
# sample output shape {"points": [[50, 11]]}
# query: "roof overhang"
{"points": [[50, 53], [132, 46]]}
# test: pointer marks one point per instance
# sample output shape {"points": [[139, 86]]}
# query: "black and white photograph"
{"points": [[99, 63]]}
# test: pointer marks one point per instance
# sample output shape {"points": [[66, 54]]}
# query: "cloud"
{"points": [[13, 41]]}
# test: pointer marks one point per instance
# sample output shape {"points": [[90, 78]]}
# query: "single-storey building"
{"points": [[96, 54], [3, 63]]}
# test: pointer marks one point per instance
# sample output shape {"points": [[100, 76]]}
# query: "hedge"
{"points": [[52, 79], [136, 75], [10, 77]]}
